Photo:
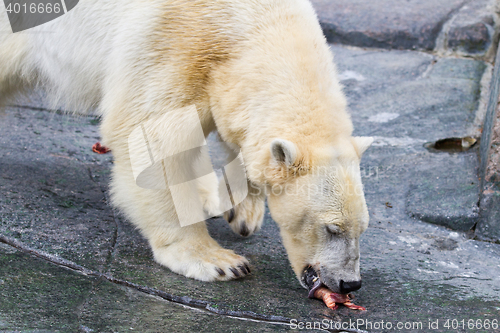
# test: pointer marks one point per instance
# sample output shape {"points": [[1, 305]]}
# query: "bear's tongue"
{"points": [[311, 280], [318, 284]]}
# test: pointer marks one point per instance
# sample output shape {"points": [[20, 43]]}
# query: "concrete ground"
{"points": [[414, 73]]}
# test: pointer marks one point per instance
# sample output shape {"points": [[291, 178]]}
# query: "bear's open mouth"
{"points": [[320, 291], [311, 280]]}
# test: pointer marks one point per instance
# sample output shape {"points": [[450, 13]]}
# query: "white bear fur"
{"points": [[259, 72]]}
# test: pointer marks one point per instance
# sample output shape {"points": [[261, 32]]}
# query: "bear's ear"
{"points": [[283, 151], [361, 144]]}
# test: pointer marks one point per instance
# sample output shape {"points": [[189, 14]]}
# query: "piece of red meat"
{"points": [[331, 299], [98, 148]]}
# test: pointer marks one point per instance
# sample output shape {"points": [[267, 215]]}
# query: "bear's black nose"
{"points": [[347, 287]]}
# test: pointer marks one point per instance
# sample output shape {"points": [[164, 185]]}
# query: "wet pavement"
{"points": [[70, 263]]}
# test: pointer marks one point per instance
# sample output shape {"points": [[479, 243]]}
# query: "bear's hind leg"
{"points": [[14, 73]]}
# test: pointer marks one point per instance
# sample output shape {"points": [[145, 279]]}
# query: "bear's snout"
{"points": [[347, 287], [312, 281]]}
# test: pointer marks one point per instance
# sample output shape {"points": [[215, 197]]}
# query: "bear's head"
{"points": [[316, 197]]}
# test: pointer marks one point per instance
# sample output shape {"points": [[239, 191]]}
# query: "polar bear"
{"points": [[260, 74]]}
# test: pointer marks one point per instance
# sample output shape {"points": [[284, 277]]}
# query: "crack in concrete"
{"points": [[429, 68], [459, 277], [486, 240], [186, 301], [109, 258], [114, 241], [465, 277], [33, 108]]}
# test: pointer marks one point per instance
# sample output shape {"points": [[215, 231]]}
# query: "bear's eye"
{"points": [[333, 229]]}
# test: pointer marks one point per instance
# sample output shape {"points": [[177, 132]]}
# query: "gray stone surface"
{"points": [[40, 297], [473, 29], [405, 100], [412, 271], [130, 310], [488, 227], [446, 191], [48, 196], [409, 24], [386, 23], [389, 90]]}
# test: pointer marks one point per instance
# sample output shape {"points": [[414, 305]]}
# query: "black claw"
{"points": [[244, 230], [248, 268], [220, 271], [235, 272], [243, 269], [231, 215]]}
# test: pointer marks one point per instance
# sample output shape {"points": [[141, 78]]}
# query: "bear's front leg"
{"points": [[187, 250], [196, 255], [246, 218]]}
